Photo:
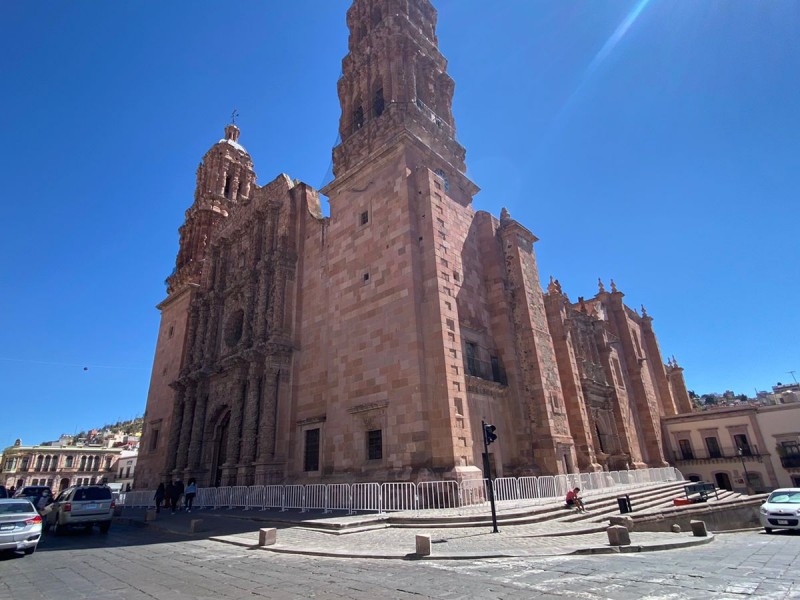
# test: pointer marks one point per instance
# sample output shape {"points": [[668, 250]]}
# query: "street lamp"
{"points": [[744, 467]]}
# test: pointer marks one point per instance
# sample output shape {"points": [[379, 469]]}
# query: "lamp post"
{"points": [[744, 467]]}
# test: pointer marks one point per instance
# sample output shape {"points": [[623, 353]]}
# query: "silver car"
{"points": [[781, 510], [80, 506], [20, 525]]}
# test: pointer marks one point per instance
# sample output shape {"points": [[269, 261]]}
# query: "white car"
{"points": [[20, 525], [781, 510]]}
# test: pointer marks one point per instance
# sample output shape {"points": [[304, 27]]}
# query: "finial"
{"points": [[504, 214], [234, 114], [613, 286], [551, 287], [558, 286], [582, 304], [600, 286], [644, 311]]}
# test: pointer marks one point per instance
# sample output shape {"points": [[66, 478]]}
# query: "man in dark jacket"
{"points": [[177, 492]]}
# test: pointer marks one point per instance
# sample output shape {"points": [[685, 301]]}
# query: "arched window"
{"points": [[83, 463], [39, 460], [358, 118], [227, 191], [70, 460], [378, 103]]}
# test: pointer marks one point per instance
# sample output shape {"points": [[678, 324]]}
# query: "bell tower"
{"points": [[225, 179], [394, 82]]}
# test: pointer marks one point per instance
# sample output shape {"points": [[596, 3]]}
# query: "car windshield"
{"points": [[785, 497], [15, 508]]}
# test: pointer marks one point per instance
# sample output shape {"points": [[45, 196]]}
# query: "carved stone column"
{"points": [[267, 424], [186, 429], [175, 432], [234, 440], [198, 431], [262, 303], [250, 429]]}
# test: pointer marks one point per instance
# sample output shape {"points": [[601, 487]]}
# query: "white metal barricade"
{"points": [[437, 494], [238, 497], [506, 488], [366, 497], [206, 498], [293, 497], [338, 497], [255, 497], [398, 496], [316, 497], [223, 499], [546, 486], [472, 493], [527, 488], [273, 497]]}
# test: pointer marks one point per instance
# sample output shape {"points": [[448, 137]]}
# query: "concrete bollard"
{"points": [[195, 525], [267, 536], [150, 514], [676, 528], [423, 545], [618, 536], [698, 528], [625, 521]]}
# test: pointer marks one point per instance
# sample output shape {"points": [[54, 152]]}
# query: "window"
{"points": [[366, 277], [742, 445], [713, 448], [127, 472], [789, 449], [471, 350], [618, 372], [363, 218], [375, 444], [227, 191], [25, 463], [358, 118], [378, 103], [154, 440], [311, 455], [686, 449]]}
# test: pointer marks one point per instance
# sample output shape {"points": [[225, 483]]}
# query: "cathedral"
{"points": [[370, 344]]}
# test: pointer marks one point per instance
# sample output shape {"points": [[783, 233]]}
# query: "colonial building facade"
{"points": [[371, 343]]}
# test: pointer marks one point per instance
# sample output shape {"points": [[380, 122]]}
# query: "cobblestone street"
{"points": [[135, 563]]}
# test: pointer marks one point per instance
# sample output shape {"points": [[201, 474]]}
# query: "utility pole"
{"points": [[792, 374]]}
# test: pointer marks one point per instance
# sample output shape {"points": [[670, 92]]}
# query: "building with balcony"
{"points": [[56, 466], [742, 448]]}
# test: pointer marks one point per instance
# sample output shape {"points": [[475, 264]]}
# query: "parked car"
{"points": [[80, 506], [34, 493], [20, 525], [781, 510]]}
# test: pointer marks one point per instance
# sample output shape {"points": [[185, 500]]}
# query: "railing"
{"points": [[791, 461], [706, 454], [471, 495]]}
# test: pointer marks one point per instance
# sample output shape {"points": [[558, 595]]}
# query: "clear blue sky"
{"points": [[656, 142]]}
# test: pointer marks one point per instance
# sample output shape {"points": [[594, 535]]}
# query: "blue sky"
{"points": [[654, 142]]}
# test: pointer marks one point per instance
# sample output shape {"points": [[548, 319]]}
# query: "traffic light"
{"points": [[489, 433]]}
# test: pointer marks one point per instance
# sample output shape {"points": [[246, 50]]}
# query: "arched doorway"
{"points": [[64, 484], [723, 481], [221, 447]]}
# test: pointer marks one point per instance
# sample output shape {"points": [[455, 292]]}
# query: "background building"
{"points": [[370, 344]]}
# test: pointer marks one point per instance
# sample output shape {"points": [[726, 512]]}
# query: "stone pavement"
{"points": [[376, 540]]}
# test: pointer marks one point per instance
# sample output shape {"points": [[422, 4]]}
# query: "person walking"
{"points": [[191, 492], [169, 492], [177, 492], [159, 496]]}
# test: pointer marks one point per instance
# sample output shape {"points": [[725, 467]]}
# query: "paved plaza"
{"points": [[134, 562]]}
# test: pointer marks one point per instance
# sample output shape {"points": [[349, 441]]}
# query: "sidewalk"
{"points": [[375, 539]]}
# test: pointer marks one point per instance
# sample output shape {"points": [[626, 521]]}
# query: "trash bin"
{"points": [[624, 503]]}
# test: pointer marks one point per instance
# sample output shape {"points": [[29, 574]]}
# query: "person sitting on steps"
{"points": [[573, 500]]}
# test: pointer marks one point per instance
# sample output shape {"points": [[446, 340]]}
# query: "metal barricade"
{"points": [[398, 496], [546, 486], [273, 497], [527, 488], [472, 493], [223, 498], [255, 497], [365, 497], [293, 497], [238, 497], [316, 497], [206, 498], [437, 494], [506, 488], [338, 497]]}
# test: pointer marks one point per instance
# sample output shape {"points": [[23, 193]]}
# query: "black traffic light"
{"points": [[489, 433]]}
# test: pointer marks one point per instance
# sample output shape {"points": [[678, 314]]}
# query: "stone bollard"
{"points": [[267, 536], [698, 528], [195, 525], [150, 514], [676, 528], [625, 521], [618, 536], [423, 545]]}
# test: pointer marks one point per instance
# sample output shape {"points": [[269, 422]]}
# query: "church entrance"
{"points": [[221, 448]]}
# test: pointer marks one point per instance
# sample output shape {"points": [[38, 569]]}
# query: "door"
{"points": [[723, 481], [221, 450]]}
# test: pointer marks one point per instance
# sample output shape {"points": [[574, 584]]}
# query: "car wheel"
{"points": [[768, 529], [29, 551], [104, 527]]}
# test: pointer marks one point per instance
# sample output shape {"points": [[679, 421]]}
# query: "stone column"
{"points": [[267, 424], [198, 431], [234, 440], [250, 429], [186, 430], [174, 433], [262, 303]]}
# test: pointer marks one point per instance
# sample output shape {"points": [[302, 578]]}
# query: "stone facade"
{"points": [[370, 344]]}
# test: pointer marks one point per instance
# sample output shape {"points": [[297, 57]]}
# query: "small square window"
{"points": [[366, 277], [363, 218], [375, 444]]}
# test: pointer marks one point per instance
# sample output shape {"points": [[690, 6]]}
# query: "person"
{"points": [[169, 492], [191, 492], [159, 496], [43, 501], [177, 492], [574, 501]]}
